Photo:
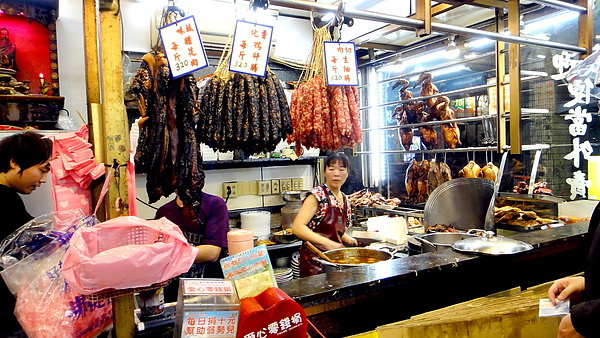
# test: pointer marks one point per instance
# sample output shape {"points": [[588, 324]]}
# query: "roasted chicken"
{"points": [[516, 216], [490, 171], [450, 131], [471, 170]]}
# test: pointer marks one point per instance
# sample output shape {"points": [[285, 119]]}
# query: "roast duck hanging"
{"points": [[431, 109]]}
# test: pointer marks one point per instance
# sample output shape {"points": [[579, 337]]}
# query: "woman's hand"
{"points": [[566, 329], [570, 287], [331, 245], [349, 240]]}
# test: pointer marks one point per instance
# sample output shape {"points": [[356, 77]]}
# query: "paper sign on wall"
{"points": [[340, 63], [183, 47], [250, 48]]}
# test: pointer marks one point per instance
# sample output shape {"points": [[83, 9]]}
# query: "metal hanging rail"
{"points": [[561, 5], [445, 65], [402, 21], [452, 92], [528, 147]]}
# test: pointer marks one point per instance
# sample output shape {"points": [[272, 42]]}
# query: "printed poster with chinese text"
{"points": [[340, 63], [183, 47], [250, 270], [250, 48]]}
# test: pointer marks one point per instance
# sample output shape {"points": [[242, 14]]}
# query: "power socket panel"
{"points": [[298, 183], [285, 184], [275, 189], [264, 188], [230, 189]]}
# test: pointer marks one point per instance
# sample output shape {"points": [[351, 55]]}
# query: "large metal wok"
{"points": [[461, 202], [346, 258]]}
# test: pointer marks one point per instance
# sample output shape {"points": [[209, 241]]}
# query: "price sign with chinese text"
{"points": [[340, 63], [183, 47], [250, 48], [210, 324]]}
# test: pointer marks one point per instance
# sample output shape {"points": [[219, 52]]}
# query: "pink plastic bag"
{"points": [[49, 308], [126, 252]]}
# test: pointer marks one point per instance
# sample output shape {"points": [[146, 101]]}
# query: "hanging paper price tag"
{"points": [[340, 63], [183, 47], [250, 48]]}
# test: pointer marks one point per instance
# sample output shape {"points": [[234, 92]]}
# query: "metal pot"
{"points": [[362, 255], [440, 240]]}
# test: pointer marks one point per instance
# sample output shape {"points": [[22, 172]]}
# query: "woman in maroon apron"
{"points": [[325, 215]]}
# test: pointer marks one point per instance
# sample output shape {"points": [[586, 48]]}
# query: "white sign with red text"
{"points": [[340, 63], [183, 47], [250, 48]]}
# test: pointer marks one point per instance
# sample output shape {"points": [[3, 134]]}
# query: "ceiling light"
{"points": [[396, 64], [452, 52]]}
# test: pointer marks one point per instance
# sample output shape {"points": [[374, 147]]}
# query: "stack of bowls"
{"points": [[296, 264], [283, 275], [257, 221]]}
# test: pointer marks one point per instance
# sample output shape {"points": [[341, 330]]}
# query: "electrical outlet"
{"points": [[298, 183], [275, 187], [230, 189], [285, 184], [264, 188]]}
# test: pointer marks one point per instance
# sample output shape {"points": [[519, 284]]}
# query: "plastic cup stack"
{"points": [[257, 221]]}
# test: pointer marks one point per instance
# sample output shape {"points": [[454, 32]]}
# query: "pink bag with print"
{"points": [[126, 252]]}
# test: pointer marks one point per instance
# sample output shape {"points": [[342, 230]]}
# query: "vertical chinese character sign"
{"points": [[580, 90], [340, 63], [183, 47], [250, 48]]}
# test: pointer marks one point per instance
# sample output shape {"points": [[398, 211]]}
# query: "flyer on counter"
{"points": [[250, 48], [340, 63], [183, 47], [250, 270]]}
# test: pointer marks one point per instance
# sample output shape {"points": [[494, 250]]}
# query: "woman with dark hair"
{"points": [[325, 215], [24, 165]]}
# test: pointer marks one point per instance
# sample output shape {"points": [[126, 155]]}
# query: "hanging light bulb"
{"points": [[396, 64], [452, 52]]}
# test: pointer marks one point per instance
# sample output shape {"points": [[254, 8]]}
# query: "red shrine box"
{"points": [[271, 314]]}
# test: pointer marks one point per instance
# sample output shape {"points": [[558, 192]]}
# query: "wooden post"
{"points": [[586, 27], [424, 13], [114, 136]]}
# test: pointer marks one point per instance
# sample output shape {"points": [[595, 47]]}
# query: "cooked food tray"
{"points": [[524, 228]]}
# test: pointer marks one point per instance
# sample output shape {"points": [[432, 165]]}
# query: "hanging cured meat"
{"points": [[243, 112], [167, 148], [324, 117]]}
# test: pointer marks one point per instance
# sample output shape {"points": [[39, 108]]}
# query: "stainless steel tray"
{"points": [[461, 202], [524, 228]]}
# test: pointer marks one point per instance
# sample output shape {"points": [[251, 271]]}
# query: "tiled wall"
{"points": [[215, 178]]}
